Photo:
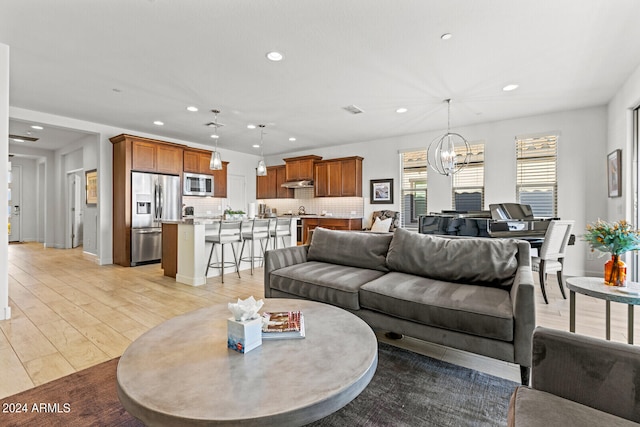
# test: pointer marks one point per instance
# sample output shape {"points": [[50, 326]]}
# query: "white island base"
{"points": [[193, 253]]}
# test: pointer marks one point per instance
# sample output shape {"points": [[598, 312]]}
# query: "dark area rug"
{"points": [[408, 389]]}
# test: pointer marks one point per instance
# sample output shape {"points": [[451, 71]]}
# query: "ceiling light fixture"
{"points": [[510, 87], [401, 110], [216, 162], [275, 56], [262, 167], [192, 108], [251, 126], [443, 152], [446, 36], [158, 123], [292, 139], [36, 127]]}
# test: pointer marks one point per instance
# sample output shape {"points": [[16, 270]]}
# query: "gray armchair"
{"points": [[578, 381]]}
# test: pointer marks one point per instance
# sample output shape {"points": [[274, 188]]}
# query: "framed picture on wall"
{"points": [[91, 185], [614, 176], [381, 191]]}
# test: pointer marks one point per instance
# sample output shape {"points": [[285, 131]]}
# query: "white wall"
{"points": [[581, 166], [5, 310], [620, 136]]}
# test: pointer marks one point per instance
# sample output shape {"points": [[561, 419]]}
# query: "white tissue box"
{"points": [[244, 336]]}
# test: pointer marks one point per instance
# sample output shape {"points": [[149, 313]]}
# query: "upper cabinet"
{"points": [[300, 168], [338, 177], [152, 156], [197, 161], [270, 186]]}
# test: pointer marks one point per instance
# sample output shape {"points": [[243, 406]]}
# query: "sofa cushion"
{"points": [[323, 282], [464, 260], [532, 408], [478, 310], [356, 249]]}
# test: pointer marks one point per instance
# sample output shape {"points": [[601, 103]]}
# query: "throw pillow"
{"points": [[381, 225], [463, 260], [351, 248]]}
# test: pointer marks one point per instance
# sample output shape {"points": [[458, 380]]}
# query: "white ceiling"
{"points": [[129, 62]]}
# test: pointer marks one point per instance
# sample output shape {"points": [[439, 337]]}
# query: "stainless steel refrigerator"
{"points": [[155, 198]]}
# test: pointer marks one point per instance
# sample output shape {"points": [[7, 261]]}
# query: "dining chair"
{"points": [[552, 253], [281, 229]]}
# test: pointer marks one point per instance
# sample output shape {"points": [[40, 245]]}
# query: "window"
{"points": [[414, 187], [468, 183], [536, 180]]}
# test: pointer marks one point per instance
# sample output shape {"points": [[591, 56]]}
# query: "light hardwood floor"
{"points": [[68, 313]]}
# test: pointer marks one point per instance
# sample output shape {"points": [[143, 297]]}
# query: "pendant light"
{"points": [[441, 153], [262, 167], [216, 162]]}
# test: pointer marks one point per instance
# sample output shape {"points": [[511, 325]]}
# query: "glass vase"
{"points": [[615, 272]]}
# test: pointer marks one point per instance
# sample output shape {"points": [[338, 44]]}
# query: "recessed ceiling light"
{"points": [[446, 36], [256, 145], [275, 56], [214, 136], [158, 123], [36, 127], [251, 126], [192, 108], [510, 87], [401, 110], [292, 139]]}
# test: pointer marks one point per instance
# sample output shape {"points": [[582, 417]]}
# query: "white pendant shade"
{"points": [[215, 163], [262, 169]]}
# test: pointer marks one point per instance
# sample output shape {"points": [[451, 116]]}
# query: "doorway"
{"points": [[74, 210], [236, 192], [15, 204]]}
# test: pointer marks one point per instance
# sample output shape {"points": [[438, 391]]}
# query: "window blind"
{"points": [[536, 174], [468, 183], [414, 187]]}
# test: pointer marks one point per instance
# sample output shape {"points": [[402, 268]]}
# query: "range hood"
{"points": [[305, 183]]}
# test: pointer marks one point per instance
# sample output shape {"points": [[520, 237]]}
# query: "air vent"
{"points": [[353, 109], [23, 138], [214, 124]]}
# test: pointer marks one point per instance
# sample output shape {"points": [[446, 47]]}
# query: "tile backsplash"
{"points": [[338, 206], [205, 206]]}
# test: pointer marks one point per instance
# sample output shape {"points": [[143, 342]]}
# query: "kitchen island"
{"points": [[185, 251]]}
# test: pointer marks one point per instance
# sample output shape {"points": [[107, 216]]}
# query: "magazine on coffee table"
{"points": [[282, 325]]}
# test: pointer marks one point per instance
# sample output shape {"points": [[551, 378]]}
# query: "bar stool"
{"points": [[258, 230], [229, 232], [280, 231]]}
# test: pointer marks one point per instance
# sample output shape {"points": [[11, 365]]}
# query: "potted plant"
{"points": [[234, 215], [616, 238]]}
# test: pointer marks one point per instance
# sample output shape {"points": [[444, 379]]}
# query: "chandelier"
{"points": [[216, 162], [449, 153], [262, 167]]}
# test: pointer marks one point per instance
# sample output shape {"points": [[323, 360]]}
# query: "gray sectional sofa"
{"points": [[473, 294]]}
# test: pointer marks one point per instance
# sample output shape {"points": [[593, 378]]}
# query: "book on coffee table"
{"points": [[282, 325]]}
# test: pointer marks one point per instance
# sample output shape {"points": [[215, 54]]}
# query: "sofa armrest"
{"points": [[524, 307], [279, 258], [601, 374]]}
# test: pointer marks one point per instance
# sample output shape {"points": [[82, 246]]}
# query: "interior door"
{"points": [[16, 204], [76, 211]]}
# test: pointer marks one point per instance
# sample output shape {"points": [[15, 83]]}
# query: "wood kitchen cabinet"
{"points": [[197, 161], [270, 186], [300, 168], [338, 177], [154, 156], [330, 223]]}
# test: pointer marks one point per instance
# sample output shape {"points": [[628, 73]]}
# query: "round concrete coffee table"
{"points": [[182, 373]]}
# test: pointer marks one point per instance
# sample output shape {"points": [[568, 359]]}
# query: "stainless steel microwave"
{"points": [[196, 184]]}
